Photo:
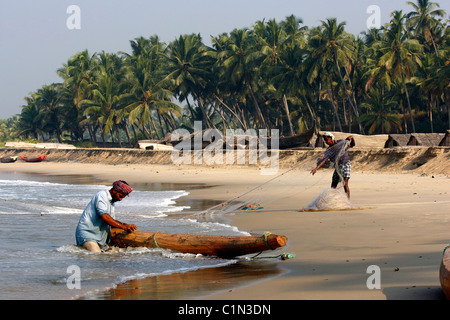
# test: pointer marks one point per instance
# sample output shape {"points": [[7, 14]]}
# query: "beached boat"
{"points": [[8, 159], [195, 139], [297, 141], [219, 246], [37, 159], [444, 273]]}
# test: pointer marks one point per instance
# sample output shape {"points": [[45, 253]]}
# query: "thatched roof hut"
{"points": [[445, 142], [425, 139], [397, 140]]}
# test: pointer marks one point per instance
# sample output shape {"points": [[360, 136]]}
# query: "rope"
{"points": [[154, 240], [282, 256], [266, 234], [342, 145], [445, 249], [249, 191]]}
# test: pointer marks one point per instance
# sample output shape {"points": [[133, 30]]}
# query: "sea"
{"points": [[39, 258]]}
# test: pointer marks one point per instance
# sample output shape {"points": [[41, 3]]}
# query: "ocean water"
{"points": [[38, 255]]}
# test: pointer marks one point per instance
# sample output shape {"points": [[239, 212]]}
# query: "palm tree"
{"points": [[47, 100], [30, 121], [295, 35], [187, 69], [78, 75], [237, 63], [380, 117], [105, 105], [288, 76], [331, 48], [400, 55], [423, 20], [145, 95]]}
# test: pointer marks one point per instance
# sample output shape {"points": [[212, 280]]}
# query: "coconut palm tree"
{"points": [[30, 120], [380, 117], [145, 96], [107, 93], [331, 51], [400, 55], [187, 69], [423, 20], [288, 77], [237, 61], [78, 75], [295, 34], [47, 100]]}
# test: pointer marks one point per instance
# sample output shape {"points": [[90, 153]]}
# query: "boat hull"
{"points": [[444, 273], [8, 159], [208, 245], [38, 159]]}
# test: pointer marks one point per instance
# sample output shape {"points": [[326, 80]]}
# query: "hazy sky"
{"points": [[35, 40]]}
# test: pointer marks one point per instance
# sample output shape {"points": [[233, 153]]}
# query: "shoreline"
{"points": [[403, 231]]}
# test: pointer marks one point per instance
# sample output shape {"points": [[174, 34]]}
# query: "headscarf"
{"points": [[328, 134], [122, 187]]}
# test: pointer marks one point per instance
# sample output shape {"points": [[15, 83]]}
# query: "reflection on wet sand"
{"points": [[191, 284]]}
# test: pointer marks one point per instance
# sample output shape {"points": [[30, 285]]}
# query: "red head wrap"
{"points": [[122, 187]]}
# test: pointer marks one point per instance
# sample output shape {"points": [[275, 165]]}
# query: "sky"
{"points": [[35, 39]]}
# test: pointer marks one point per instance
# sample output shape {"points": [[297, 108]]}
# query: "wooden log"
{"points": [[208, 245]]}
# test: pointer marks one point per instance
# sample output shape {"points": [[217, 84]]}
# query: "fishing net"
{"points": [[330, 199], [333, 199], [266, 193]]}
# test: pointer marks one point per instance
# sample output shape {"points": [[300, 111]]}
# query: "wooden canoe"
{"points": [[219, 246], [8, 159], [444, 273], [296, 141], [37, 159]]}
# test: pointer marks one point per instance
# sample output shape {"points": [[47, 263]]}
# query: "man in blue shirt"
{"points": [[344, 164], [93, 230]]}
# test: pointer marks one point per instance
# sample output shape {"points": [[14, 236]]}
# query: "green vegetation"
{"points": [[272, 75]]}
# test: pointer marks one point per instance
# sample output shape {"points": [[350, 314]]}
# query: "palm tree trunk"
{"points": [[286, 107], [430, 115], [234, 114], [190, 110], [116, 129], [354, 106], [127, 132], [334, 107], [313, 117], [409, 103], [205, 115], [258, 110], [154, 126]]}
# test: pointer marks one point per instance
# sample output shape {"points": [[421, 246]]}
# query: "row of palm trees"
{"points": [[272, 75]]}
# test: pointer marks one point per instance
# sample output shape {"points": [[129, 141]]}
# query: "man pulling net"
{"points": [[337, 153]]}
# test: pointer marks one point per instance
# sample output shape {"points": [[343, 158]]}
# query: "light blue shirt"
{"points": [[91, 227]]}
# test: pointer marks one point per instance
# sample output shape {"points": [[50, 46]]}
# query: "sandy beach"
{"points": [[401, 225]]}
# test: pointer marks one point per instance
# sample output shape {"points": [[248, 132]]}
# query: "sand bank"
{"points": [[402, 226]]}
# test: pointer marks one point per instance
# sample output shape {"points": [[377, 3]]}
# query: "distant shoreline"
{"points": [[411, 159]]}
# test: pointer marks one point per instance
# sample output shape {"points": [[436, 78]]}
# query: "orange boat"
{"points": [[38, 159], [219, 246]]}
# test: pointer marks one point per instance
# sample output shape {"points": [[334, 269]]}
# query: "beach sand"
{"points": [[402, 225]]}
